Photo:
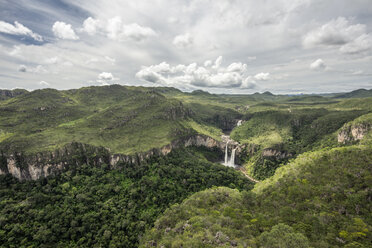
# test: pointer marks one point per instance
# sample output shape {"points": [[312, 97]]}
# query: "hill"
{"points": [[6, 94], [361, 93], [321, 199], [122, 119]]}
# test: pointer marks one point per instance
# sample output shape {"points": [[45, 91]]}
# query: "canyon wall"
{"points": [[43, 164]]}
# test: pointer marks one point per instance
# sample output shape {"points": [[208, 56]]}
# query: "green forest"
{"points": [[147, 169]]}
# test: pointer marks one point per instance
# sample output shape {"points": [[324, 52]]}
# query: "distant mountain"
{"points": [[200, 92], [361, 93], [268, 93]]}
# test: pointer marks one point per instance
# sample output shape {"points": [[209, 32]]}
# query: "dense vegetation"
{"points": [[124, 119], [317, 191], [291, 131], [98, 207], [321, 199]]}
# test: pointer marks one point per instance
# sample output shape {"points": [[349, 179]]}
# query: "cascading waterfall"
{"points": [[232, 159], [226, 157]]}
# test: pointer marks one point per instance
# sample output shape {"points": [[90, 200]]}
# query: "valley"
{"points": [[158, 167]]}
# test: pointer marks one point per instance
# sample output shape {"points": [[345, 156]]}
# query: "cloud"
{"points": [[64, 31], [350, 38], [361, 44], [39, 69], [18, 29], [318, 65], [22, 68], [262, 76], [183, 40], [91, 25], [105, 78], [117, 30], [43, 83], [192, 75]]}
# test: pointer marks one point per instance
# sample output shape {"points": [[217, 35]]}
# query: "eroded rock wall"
{"points": [[33, 167]]}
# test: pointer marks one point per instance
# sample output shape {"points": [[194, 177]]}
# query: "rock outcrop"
{"points": [[33, 167], [6, 94], [353, 133], [277, 154]]}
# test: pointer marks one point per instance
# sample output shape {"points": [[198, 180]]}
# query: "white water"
{"points": [[232, 158], [231, 162], [239, 123], [226, 156]]}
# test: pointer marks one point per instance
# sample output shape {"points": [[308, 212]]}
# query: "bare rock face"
{"points": [[269, 152], [33, 167], [353, 133]]}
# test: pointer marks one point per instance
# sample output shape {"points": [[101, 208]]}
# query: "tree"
{"points": [[283, 236]]}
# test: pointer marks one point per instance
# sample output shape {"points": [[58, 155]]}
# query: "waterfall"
{"points": [[226, 157], [232, 159]]}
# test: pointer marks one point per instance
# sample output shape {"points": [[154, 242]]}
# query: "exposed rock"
{"points": [[353, 133], [6, 94], [270, 152], [32, 167]]}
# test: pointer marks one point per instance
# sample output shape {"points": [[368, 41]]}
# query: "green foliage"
{"points": [[97, 207], [124, 119], [282, 235], [291, 132], [320, 199]]}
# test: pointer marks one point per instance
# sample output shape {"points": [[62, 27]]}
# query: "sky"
{"points": [[220, 46]]}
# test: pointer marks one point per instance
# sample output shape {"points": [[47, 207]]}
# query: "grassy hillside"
{"points": [[124, 119], [322, 199], [361, 93], [291, 131]]}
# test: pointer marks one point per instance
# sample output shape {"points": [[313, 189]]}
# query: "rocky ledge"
{"points": [[43, 164], [353, 133]]}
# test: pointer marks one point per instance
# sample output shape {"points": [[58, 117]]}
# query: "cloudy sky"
{"points": [[222, 46]]}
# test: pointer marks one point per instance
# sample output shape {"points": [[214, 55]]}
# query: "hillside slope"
{"points": [[123, 119], [323, 198]]}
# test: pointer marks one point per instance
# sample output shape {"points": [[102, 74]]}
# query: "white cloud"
{"points": [[318, 65], [22, 68], [43, 83], [16, 51], [39, 69], [350, 38], [64, 31], [237, 67], [217, 63], [18, 29], [208, 63], [192, 75], [90, 25], [183, 40], [137, 32], [361, 44], [105, 78], [262, 76], [117, 30]]}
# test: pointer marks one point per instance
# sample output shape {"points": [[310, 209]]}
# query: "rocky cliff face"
{"points": [[32, 167], [6, 94], [353, 133], [277, 154]]}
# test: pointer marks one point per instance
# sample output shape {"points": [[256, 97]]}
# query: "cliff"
{"points": [[33, 167], [353, 133], [6, 94]]}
